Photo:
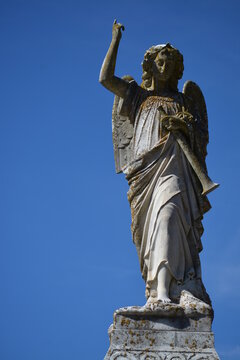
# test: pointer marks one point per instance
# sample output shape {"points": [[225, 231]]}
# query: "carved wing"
{"points": [[198, 109], [122, 132]]}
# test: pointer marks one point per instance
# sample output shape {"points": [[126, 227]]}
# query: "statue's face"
{"points": [[164, 65]]}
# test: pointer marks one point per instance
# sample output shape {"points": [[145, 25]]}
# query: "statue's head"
{"points": [[164, 63]]}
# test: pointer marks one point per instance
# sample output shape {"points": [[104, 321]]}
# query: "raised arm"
{"points": [[107, 78]]}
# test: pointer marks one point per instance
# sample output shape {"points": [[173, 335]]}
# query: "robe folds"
{"points": [[165, 196]]}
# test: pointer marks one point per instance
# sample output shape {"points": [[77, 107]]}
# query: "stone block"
{"points": [[169, 332]]}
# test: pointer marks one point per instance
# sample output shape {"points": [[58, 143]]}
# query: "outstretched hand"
{"points": [[117, 30]]}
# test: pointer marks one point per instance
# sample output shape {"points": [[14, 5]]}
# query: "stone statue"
{"points": [[160, 137]]}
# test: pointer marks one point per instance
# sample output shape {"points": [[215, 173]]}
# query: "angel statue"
{"points": [[160, 137]]}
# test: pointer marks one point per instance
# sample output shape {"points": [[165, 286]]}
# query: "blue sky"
{"points": [[67, 260]]}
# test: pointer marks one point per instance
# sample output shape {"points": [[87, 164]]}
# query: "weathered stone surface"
{"points": [[163, 332], [135, 344], [160, 138]]}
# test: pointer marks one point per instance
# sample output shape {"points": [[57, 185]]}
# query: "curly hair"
{"points": [[147, 65]]}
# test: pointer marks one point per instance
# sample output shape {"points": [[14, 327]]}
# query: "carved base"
{"points": [[162, 355], [166, 332]]}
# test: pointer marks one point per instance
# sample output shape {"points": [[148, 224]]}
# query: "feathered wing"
{"points": [[198, 109], [122, 132]]}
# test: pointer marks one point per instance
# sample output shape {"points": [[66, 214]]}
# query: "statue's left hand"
{"points": [[175, 123]]}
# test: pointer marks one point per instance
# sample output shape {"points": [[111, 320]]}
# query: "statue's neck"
{"points": [[162, 88]]}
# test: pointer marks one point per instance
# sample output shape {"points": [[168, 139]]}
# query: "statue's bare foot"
{"points": [[164, 299], [163, 295]]}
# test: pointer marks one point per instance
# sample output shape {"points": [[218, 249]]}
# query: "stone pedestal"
{"points": [[163, 332]]}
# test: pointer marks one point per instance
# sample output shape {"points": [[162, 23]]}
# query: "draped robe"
{"points": [[164, 194]]}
